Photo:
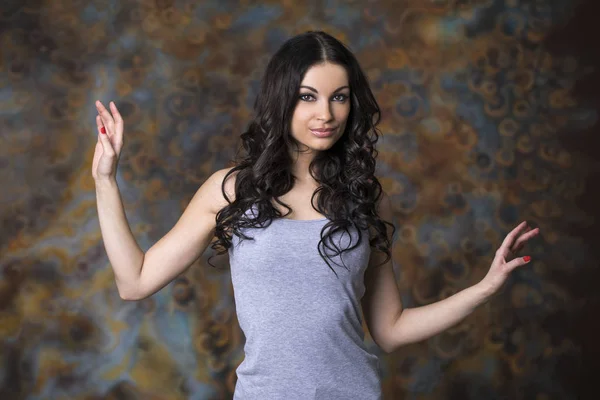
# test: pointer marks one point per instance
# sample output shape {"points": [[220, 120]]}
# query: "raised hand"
{"points": [[501, 268], [110, 142]]}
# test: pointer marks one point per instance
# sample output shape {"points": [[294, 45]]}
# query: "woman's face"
{"points": [[323, 102]]}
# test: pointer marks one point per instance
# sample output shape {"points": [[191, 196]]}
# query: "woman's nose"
{"points": [[325, 112]]}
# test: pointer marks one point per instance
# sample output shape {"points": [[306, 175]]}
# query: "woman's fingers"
{"points": [[107, 118], [524, 238], [112, 123], [510, 239], [109, 151], [118, 139], [100, 126], [117, 117]]}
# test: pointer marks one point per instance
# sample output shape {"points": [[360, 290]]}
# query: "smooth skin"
{"points": [[323, 102]]}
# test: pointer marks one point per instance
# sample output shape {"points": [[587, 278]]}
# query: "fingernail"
{"points": [[526, 258], [102, 130]]}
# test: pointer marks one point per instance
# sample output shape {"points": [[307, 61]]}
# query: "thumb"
{"points": [[517, 262]]}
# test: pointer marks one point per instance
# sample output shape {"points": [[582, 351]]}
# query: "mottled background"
{"points": [[489, 118]]}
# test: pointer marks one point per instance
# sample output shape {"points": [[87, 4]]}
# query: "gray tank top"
{"points": [[303, 325]]}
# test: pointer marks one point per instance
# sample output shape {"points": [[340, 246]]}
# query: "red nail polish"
{"points": [[102, 130], [526, 258]]}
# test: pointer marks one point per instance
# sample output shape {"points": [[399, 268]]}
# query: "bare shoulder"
{"points": [[217, 180]]}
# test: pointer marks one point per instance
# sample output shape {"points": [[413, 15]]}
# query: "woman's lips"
{"points": [[324, 133]]}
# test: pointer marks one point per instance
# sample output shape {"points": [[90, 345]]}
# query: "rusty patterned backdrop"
{"points": [[489, 113]]}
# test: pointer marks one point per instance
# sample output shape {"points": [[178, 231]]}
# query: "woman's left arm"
{"points": [[420, 323]]}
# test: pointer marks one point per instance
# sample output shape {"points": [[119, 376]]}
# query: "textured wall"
{"points": [[489, 110]]}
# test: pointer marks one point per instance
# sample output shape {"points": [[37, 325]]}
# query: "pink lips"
{"points": [[323, 130], [323, 133]]}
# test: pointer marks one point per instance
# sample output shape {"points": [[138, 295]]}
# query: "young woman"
{"points": [[303, 218]]}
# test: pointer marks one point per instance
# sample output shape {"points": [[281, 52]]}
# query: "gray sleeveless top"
{"points": [[303, 325]]}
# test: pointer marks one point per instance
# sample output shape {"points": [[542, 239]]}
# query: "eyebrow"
{"points": [[316, 91]]}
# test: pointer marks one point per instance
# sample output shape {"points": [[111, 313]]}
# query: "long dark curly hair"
{"points": [[348, 189]]}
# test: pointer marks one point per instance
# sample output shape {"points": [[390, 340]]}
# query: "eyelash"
{"points": [[344, 97]]}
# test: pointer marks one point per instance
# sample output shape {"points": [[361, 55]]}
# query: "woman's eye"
{"points": [[305, 95], [342, 97]]}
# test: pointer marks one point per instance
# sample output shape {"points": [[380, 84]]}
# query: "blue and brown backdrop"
{"points": [[489, 118]]}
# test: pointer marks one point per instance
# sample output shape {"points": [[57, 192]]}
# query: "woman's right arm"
{"points": [[187, 240], [140, 275], [125, 255]]}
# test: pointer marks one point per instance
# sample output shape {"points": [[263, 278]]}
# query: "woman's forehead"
{"points": [[326, 76]]}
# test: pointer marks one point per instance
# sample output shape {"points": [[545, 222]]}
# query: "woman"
{"points": [[304, 196]]}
